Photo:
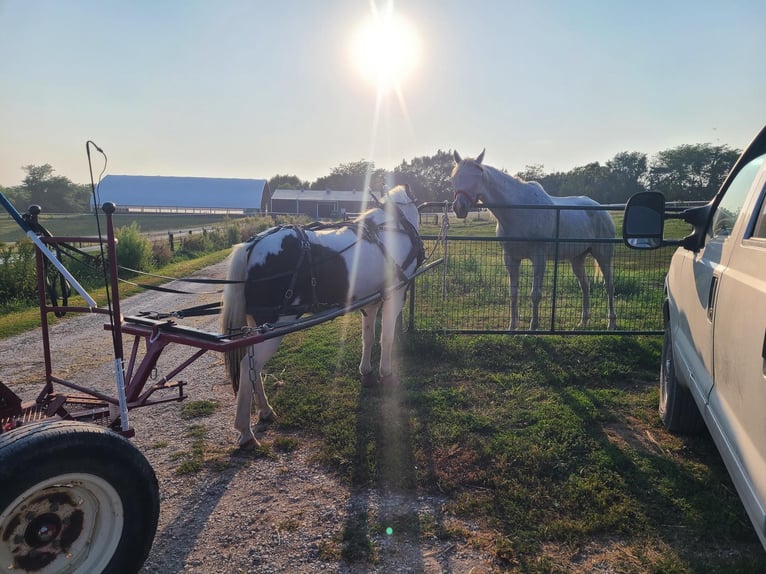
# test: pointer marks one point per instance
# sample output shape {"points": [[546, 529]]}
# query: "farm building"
{"points": [[195, 195], [318, 203]]}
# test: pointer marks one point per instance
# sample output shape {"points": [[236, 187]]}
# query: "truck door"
{"points": [[738, 399], [694, 283]]}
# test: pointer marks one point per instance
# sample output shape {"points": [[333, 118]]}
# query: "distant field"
{"points": [[85, 224]]}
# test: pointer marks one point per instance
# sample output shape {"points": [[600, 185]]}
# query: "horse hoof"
{"points": [[369, 379], [267, 418], [250, 444], [391, 381]]}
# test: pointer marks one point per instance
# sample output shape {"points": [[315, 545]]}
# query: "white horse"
{"points": [[287, 271], [472, 181]]}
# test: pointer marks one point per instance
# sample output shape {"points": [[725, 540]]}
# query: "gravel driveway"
{"points": [[282, 513]]}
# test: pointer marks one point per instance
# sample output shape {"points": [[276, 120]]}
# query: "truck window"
{"points": [[759, 231], [728, 209]]}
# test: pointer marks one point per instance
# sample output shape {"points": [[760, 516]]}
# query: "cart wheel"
{"points": [[74, 498]]}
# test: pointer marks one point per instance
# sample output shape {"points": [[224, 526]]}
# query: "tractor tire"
{"points": [[74, 498]]}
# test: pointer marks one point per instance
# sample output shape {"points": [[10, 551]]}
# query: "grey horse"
{"points": [[473, 181]]}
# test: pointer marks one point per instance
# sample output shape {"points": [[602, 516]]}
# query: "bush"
{"points": [[161, 253], [18, 273], [195, 244], [133, 249]]}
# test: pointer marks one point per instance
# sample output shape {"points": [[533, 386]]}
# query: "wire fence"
{"points": [[469, 292]]}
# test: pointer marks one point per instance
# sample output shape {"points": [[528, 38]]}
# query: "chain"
{"points": [[251, 364]]}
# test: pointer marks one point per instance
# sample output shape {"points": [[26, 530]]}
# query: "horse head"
{"points": [[466, 177], [402, 197]]}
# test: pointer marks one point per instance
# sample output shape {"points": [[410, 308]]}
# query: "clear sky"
{"points": [[255, 88]]}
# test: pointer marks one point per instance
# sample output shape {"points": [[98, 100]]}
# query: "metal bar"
{"points": [[411, 321], [86, 390], [42, 302], [547, 332], [525, 239], [166, 379], [555, 271]]}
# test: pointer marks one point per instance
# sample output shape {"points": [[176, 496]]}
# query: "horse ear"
{"points": [[457, 157], [480, 157]]}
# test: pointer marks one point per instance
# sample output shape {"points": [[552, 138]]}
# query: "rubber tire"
{"points": [[38, 453], [678, 411]]}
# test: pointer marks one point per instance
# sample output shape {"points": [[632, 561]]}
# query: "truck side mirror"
{"points": [[642, 226]]}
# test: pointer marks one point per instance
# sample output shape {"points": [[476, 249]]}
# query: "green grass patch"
{"points": [[552, 443], [285, 444], [195, 409]]}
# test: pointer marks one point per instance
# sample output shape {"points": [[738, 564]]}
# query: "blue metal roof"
{"points": [[166, 191]]}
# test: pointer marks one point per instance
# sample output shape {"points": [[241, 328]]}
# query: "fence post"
{"points": [[170, 240]]}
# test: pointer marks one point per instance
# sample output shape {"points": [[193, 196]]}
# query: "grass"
{"points": [[196, 409], [552, 444]]}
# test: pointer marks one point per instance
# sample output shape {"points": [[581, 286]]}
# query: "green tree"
{"points": [[534, 172], [428, 176], [628, 172], [287, 182], [360, 175], [691, 172], [54, 193], [593, 180]]}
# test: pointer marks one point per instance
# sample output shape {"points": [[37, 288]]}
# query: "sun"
{"points": [[386, 49]]}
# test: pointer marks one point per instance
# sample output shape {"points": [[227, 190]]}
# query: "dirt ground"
{"points": [[283, 513]]}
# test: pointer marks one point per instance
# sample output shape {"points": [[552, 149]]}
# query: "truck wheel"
{"points": [[74, 498], [678, 411]]}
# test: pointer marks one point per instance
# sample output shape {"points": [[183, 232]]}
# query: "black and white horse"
{"points": [[473, 180], [288, 271]]}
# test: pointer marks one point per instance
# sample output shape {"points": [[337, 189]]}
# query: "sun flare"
{"points": [[386, 49]]}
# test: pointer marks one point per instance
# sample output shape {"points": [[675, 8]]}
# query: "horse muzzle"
{"points": [[461, 204]]}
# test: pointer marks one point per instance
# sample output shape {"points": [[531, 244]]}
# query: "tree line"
{"points": [[691, 172]]}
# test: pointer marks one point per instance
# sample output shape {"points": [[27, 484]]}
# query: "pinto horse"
{"points": [[288, 271], [473, 180]]}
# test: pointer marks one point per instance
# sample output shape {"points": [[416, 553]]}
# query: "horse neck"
{"points": [[504, 189], [411, 214], [403, 207], [392, 214]]}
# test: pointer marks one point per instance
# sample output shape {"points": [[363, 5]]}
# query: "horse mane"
{"points": [[504, 182]]}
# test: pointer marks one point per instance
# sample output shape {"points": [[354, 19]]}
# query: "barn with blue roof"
{"points": [[185, 195]]}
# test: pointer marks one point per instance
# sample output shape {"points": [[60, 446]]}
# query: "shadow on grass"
{"points": [[384, 463]]}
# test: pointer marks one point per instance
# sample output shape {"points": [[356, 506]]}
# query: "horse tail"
{"points": [[233, 315], [598, 274]]}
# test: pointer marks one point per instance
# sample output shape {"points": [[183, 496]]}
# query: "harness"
{"points": [[365, 229]]}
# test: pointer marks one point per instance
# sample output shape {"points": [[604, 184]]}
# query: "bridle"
{"points": [[466, 191]]}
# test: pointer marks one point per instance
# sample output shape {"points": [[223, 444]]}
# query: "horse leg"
{"points": [[369, 318], [578, 267], [512, 265], [604, 261], [392, 306], [538, 274], [250, 384]]}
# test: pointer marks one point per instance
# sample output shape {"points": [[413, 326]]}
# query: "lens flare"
{"points": [[386, 49]]}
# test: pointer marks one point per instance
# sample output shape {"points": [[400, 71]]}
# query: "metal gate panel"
{"points": [[469, 292]]}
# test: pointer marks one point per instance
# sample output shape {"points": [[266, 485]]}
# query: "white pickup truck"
{"points": [[713, 370]]}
